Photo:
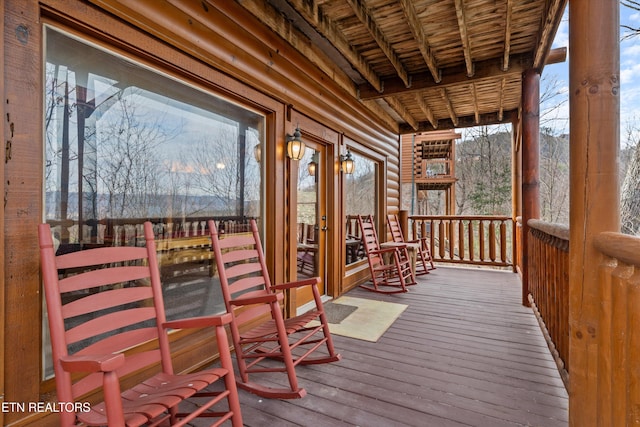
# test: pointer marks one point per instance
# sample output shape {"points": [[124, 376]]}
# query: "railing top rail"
{"points": [[561, 231], [472, 217], [623, 247]]}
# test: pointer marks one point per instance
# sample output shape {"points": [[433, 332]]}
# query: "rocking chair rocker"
{"points": [[264, 341], [423, 253], [101, 304], [388, 277]]}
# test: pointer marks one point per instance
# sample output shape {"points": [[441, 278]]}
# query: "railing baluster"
{"points": [[503, 241], [432, 237], [442, 239], [461, 244], [481, 238], [472, 248], [492, 241], [452, 239]]}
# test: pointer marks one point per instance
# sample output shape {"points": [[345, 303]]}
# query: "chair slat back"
{"points": [[104, 300], [369, 235], [394, 228], [241, 267]]}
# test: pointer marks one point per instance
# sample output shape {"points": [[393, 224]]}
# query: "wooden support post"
{"points": [[516, 187], [516, 167], [530, 165], [594, 102], [452, 172], [403, 219]]}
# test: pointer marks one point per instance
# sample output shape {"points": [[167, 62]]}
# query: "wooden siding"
{"points": [[465, 352], [223, 49], [22, 204], [3, 125]]}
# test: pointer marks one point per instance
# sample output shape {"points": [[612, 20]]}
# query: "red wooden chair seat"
{"points": [[390, 267], [102, 305], [259, 331], [424, 261]]}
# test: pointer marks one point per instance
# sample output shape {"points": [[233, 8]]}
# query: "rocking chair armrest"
{"points": [[261, 299], [198, 322], [92, 363], [386, 250], [418, 240], [297, 284]]}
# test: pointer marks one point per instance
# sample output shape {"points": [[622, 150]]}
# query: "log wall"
{"points": [[222, 48]]}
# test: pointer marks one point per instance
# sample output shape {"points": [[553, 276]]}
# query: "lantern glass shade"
{"points": [[311, 167], [257, 153], [295, 149], [295, 146], [347, 164]]}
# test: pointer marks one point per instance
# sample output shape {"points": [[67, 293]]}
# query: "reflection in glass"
{"points": [[125, 144], [360, 199], [307, 214]]}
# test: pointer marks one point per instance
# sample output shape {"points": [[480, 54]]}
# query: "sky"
{"points": [[629, 79]]}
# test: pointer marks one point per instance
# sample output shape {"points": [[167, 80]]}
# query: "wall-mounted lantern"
{"points": [[295, 146], [347, 164]]}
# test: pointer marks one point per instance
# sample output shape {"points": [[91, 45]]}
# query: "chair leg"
{"points": [[229, 380], [284, 347], [284, 355], [382, 282]]}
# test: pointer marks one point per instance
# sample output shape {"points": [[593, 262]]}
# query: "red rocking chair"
{"points": [[264, 341], [103, 304], [391, 275], [424, 261]]}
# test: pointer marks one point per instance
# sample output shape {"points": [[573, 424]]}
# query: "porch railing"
{"points": [[548, 254], [476, 239], [618, 329]]}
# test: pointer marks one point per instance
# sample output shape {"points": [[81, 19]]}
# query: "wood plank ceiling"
{"points": [[421, 65]]}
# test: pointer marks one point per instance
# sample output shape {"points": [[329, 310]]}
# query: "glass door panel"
{"points": [[311, 218]]}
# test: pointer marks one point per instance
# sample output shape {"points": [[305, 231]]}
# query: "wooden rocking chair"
{"points": [[102, 305], [264, 341], [424, 261], [388, 276]]}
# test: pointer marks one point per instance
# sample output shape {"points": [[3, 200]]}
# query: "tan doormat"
{"points": [[369, 320]]}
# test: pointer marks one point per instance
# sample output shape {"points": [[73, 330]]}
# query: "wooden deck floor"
{"points": [[464, 353]]}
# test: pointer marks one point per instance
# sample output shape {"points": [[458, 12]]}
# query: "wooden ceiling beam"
{"points": [[426, 110], [464, 36], [556, 56], [423, 44], [474, 96], [503, 84], [363, 13], [507, 36], [312, 13], [399, 108], [488, 69], [463, 122], [447, 101], [552, 17], [280, 24]]}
